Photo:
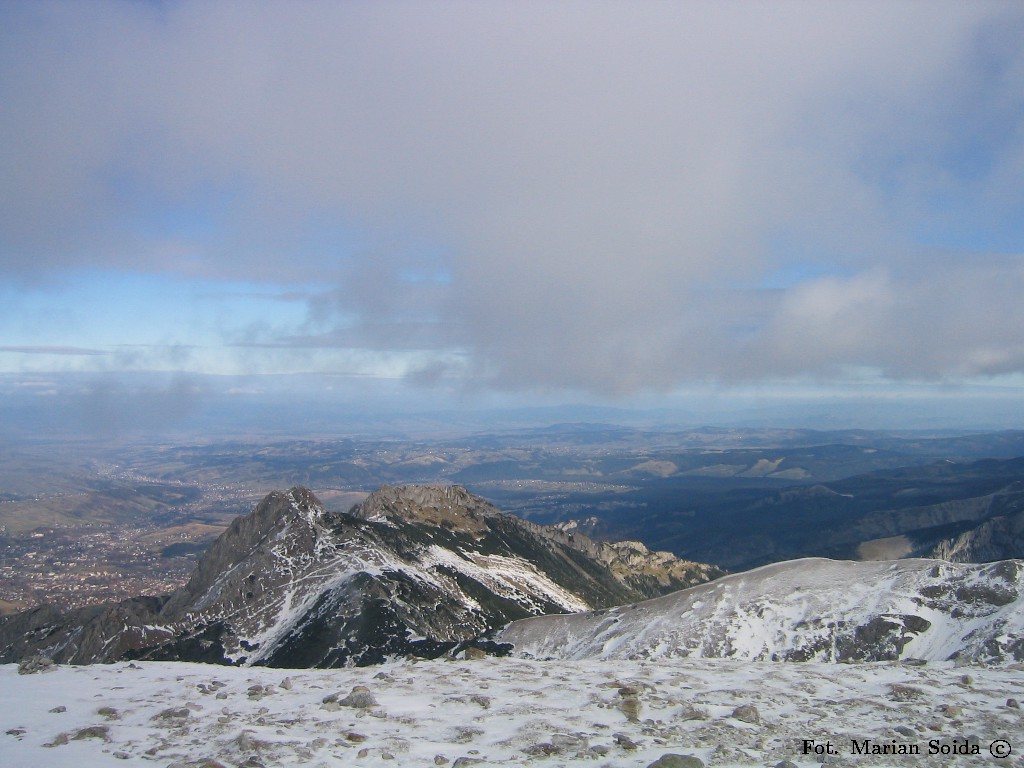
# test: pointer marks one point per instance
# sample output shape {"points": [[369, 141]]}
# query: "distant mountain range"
{"points": [[961, 511], [411, 570]]}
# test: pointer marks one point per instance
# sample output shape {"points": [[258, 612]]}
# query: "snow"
{"points": [[794, 607], [503, 711], [511, 577]]}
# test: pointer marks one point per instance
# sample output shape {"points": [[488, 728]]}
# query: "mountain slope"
{"points": [[410, 570], [502, 712], [954, 510], [802, 610]]}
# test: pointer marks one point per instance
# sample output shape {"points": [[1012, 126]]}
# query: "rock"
{"points": [[599, 750], [464, 761], [950, 710], [966, 680], [58, 741], [690, 712], [905, 731], [1013, 704], [362, 753], [58, 710], [172, 713], [915, 662], [900, 692], [483, 701], [571, 742], [671, 760], [386, 756], [355, 738], [360, 698], [92, 732], [786, 764], [34, 664], [631, 709], [286, 684], [542, 749], [16, 731], [108, 712], [625, 742], [246, 743], [122, 756], [440, 760], [472, 654], [747, 713]]}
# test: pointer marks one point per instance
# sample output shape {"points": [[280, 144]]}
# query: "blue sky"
{"points": [[475, 203]]}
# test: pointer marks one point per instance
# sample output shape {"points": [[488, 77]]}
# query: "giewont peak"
{"points": [[451, 506]]}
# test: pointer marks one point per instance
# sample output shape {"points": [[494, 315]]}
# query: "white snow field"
{"points": [[508, 711]]}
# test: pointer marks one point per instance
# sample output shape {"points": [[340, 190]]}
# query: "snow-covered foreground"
{"points": [[506, 711]]}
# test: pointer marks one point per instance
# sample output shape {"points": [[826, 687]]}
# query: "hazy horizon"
{"points": [[744, 213]]}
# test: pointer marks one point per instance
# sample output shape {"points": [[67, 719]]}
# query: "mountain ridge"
{"points": [[410, 570], [812, 609]]}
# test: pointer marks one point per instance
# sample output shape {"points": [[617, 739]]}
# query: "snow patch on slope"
{"points": [[812, 609]]}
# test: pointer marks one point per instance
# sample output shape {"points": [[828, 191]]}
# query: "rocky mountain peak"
{"points": [[448, 506], [284, 524], [412, 569]]}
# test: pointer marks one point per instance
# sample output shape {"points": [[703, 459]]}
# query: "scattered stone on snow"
{"points": [[671, 760], [747, 713], [901, 692], [92, 732], [690, 712], [625, 742], [34, 664], [172, 713]]}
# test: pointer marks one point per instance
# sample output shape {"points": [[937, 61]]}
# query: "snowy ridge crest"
{"points": [[806, 610]]}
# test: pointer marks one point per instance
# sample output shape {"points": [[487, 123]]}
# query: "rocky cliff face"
{"points": [[413, 569], [802, 610]]}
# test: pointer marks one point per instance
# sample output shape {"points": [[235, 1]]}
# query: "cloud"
{"points": [[44, 350], [536, 196]]}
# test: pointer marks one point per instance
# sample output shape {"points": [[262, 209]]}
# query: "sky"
{"points": [[520, 202]]}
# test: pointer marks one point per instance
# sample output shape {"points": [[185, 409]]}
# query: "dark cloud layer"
{"points": [[588, 196]]}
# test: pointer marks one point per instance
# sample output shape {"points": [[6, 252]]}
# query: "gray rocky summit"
{"points": [[411, 570]]}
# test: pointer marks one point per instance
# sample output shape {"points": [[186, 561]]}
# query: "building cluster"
{"points": [[73, 567]]}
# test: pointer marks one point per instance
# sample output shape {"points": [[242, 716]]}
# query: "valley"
{"points": [[82, 523]]}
